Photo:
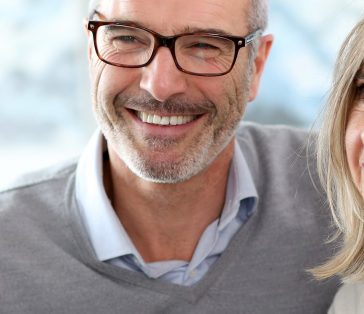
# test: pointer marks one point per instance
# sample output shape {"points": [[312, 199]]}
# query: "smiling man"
{"points": [[173, 207]]}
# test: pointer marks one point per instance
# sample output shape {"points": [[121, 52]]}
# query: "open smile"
{"points": [[164, 120]]}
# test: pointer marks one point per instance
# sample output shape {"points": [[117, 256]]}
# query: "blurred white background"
{"points": [[45, 110]]}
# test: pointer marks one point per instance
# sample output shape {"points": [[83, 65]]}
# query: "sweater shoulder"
{"points": [[282, 161], [277, 146], [268, 135], [43, 176]]}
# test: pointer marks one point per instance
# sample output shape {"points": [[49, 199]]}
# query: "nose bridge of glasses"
{"points": [[165, 41]]}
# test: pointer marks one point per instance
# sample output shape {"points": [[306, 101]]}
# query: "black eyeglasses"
{"points": [[202, 54]]}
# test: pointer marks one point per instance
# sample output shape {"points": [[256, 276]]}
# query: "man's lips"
{"points": [[165, 120], [190, 123]]}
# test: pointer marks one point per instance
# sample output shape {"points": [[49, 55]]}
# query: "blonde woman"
{"points": [[341, 166]]}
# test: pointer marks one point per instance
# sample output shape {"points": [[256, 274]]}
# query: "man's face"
{"points": [[206, 109]]}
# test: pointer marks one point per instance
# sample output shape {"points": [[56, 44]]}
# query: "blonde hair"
{"points": [[345, 201]]}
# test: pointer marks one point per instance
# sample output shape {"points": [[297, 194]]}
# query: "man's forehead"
{"points": [[176, 15]]}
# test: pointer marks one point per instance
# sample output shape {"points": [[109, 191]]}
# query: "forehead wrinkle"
{"points": [[220, 13], [217, 15]]}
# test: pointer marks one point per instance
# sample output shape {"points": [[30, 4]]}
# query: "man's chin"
{"points": [[163, 172]]}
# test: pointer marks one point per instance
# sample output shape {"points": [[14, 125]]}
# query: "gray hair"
{"points": [[257, 19]]}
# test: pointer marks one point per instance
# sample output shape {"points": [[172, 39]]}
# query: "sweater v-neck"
{"points": [[117, 274]]}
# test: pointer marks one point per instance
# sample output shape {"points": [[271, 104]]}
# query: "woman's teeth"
{"points": [[164, 120]]}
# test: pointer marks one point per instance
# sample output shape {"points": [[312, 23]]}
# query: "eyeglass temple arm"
{"points": [[253, 36]]}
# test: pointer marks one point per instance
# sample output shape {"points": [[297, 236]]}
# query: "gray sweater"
{"points": [[47, 264]]}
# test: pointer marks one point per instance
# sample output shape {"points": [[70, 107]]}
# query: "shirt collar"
{"points": [[107, 234], [240, 187]]}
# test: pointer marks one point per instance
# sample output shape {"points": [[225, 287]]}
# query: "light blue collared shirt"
{"points": [[112, 243]]}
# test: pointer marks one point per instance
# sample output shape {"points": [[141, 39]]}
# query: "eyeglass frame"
{"points": [[169, 42]]}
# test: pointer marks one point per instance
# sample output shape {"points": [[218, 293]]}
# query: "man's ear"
{"points": [[265, 44], [90, 43]]}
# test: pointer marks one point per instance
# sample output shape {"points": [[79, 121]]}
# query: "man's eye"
{"points": [[126, 39], [203, 46], [129, 42]]}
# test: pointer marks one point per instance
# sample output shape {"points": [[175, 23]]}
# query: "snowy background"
{"points": [[45, 111]]}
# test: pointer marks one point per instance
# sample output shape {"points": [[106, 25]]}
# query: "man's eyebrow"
{"points": [[94, 13], [124, 22], [187, 29], [190, 29]]}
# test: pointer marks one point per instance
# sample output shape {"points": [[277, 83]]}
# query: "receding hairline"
{"points": [[258, 17]]}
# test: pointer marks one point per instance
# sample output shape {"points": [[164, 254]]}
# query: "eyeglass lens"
{"points": [[130, 46]]}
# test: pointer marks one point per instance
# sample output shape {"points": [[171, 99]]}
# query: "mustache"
{"points": [[174, 104]]}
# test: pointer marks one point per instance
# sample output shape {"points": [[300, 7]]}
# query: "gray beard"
{"points": [[199, 155]]}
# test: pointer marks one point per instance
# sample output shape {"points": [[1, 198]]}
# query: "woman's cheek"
{"points": [[354, 145]]}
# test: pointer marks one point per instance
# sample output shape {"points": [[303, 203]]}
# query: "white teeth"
{"points": [[150, 118], [158, 120], [144, 116], [164, 121], [186, 120], [173, 120]]}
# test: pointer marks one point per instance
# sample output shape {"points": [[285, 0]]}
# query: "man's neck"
{"points": [[166, 221]]}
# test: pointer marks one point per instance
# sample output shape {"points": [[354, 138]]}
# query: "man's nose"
{"points": [[161, 78]]}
